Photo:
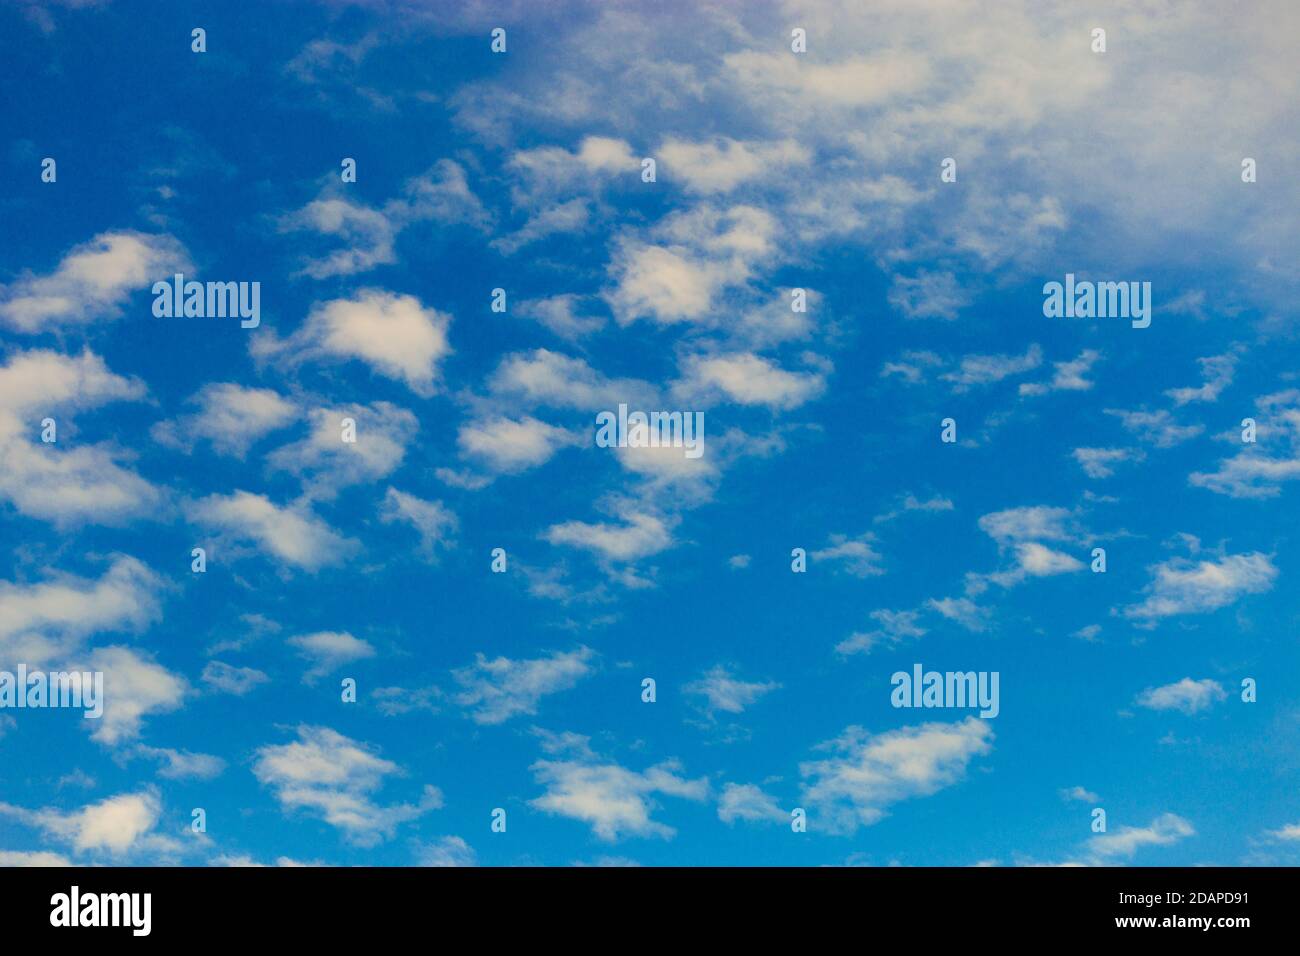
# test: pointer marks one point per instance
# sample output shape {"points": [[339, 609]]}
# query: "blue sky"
{"points": [[522, 690]]}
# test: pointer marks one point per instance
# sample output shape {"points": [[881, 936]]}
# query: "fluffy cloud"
{"points": [[726, 693], [433, 520], [495, 690], [869, 773], [747, 379], [722, 164], [117, 825], [689, 259], [543, 377], [232, 417], [1067, 377], [858, 555], [93, 281], [327, 463], [135, 687], [394, 334], [55, 482], [1124, 842], [449, 851], [1259, 469], [41, 621], [614, 801], [368, 235], [1100, 462], [290, 534], [327, 651], [509, 446], [748, 803], [226, 679], [333, 777], [986, 369], [1187, 695], [1188, 586], [641, 535]]}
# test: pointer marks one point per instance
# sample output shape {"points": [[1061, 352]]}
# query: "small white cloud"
{"points": [[869, 773], [327, 651], [1187, 695], [724, 692], [290, 534], [334, 777], [92, 282], [1165, 830], [498, 689], [1187, 586], [394, 334]]}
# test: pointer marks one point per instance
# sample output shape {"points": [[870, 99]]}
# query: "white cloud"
{"points": [[1067, 377], [41, 621], [368, 235], [858, 555], [11, 858], [327, 651], [1187, 586], [614, 801], [183, 764], [1217, 372], [1100, 462], [1187, 695], [691, 257], [748, 803], [327, 463], [641, 535], [869, 773], [1157, 428], [560, 314], [722, 164], [962, 610], [226, 679], [546, 171], [928, 295], [498, 689], [449, 851], [561, 218], [1079, 793], [1254, 472], [895, 627], [291, 534], [394, 334], [747, 379], [1289, 832], [724, 692], [135, 687], [1164, 830], [433, 520], [543, 377], [232, 417], [987, 369], [510, 446], [93, 281], [57, 482], [334, 777], [116, 825], [1035, 522]]}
